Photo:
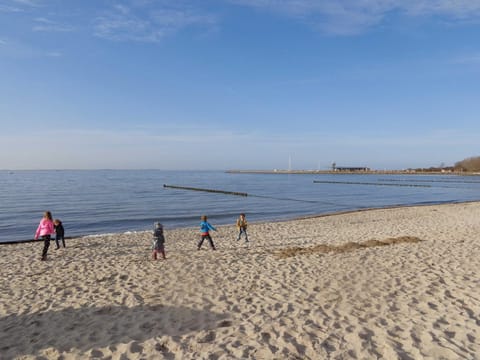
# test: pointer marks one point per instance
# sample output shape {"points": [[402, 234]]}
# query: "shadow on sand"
{"points": [[90, 328]]}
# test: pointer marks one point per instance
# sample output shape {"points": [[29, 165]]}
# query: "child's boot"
{"points": [[154, 255], [163, 255]]}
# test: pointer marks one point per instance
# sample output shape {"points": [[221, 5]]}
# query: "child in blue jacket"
{"points": [[205, 228]]}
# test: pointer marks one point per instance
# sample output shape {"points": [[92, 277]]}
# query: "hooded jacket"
{"points": [[45, 227], [205, 227]]}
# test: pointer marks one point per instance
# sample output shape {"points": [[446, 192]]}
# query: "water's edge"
{"points": [[328, 214]]}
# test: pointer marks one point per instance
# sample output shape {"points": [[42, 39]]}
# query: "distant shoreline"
{"points": [[357, 172]]}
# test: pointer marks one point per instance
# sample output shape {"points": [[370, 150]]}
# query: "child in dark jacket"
{"points": [[158, 244], [59, 233]]}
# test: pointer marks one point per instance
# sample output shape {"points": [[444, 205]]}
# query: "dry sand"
{"points": [[398, 283]]}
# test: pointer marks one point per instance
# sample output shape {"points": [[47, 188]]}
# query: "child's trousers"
{"points": [[209, 238], [46, 245], [57, 238], [155, 252], [244, 232]]}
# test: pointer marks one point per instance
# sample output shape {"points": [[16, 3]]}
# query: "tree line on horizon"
{"points": [[469, 164]]}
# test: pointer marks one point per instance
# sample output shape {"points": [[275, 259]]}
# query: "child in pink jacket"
{"points": [[45, 230]]}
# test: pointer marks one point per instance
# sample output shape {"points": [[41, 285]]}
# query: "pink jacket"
{"points": [[44, 228]]}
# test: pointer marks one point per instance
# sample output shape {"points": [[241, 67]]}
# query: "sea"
{"points": [[97, 202]]}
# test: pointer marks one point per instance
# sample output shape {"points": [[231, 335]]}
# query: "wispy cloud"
{"points": [[470, 59], [11, 48], [147, 148], [347, 17], [5, 8], [12, 6], [452, 8], [140, 21], [43, 24], [26, 2]]}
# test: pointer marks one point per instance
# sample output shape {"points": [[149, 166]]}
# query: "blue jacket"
{"points": [[205, 227]]}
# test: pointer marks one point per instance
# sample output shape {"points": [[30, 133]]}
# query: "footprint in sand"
{"points": [[135, 347], [225, 323], [96, 354], [210, 337]]}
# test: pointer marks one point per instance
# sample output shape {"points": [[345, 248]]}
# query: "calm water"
{"points": [[106, 201]]}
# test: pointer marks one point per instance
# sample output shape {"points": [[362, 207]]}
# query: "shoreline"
{"points": [[313, 216]]}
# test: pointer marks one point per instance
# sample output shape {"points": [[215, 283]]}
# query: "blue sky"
{"points": [[238, 84]]}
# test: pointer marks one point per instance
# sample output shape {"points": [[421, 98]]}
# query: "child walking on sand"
{"points": [[59, 233], [158, 244], [45, 230], [242, 227], [205, 228]]}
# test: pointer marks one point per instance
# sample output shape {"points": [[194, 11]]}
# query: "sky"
{"points": [[238, 84]]}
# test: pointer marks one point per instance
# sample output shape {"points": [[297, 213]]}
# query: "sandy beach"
{"points": [[398, 283]]}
